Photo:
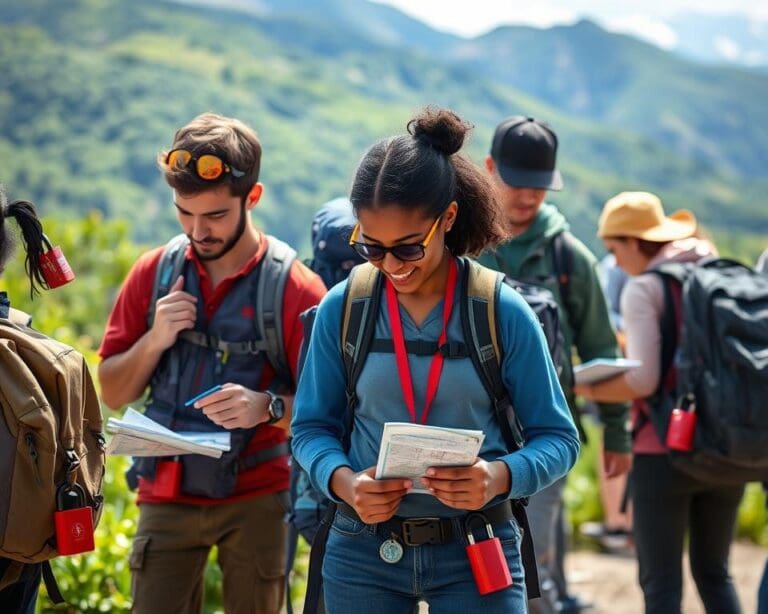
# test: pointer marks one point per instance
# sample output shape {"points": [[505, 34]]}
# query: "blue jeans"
{"points": [[355, 577]]}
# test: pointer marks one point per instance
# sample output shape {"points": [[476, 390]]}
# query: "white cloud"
{"points": [[653, 30], [727, 48]]}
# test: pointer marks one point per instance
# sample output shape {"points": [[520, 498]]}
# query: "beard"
{"points": [[226, 244]]}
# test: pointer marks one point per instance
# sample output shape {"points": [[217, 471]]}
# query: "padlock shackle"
{"points": [[65, 488], [468, 525]]}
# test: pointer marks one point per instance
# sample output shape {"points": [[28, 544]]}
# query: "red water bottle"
{"points": [[682, 425], [489, 565]]}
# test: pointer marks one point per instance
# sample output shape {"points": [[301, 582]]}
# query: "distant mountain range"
{"points": [[94, 88]]}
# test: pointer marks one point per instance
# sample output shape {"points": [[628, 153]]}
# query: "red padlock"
{"points": [[489, 565], [682, 425], [167, 484], [55, 268], [73, 520]]}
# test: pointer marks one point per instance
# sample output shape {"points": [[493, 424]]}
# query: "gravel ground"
{"points": [[610, 581]]}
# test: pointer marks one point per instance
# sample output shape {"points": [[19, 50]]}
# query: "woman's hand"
{"points": [[373, 500], [469, 488], [584, 390]]}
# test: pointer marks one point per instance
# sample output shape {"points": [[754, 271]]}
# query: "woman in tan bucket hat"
{"points": [[666, 502]]}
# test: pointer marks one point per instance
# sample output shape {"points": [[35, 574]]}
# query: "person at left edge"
{"points": [[213, 170]]}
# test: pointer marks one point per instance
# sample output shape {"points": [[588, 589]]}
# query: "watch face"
{"points": [[276, 408]]}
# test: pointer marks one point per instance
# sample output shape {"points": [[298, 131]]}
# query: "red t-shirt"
{"points": [[128, 322]]}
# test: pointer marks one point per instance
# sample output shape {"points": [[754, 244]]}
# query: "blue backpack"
{"points": [[332, 256]]}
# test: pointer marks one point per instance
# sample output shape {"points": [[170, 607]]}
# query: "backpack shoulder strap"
{"points": [[362, 298], [562, 261], [672, 277], [19, 318], [169, 268], [275, 269], [481, 332]]}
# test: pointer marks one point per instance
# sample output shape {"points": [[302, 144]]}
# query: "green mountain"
{"points": [[94, 89]]}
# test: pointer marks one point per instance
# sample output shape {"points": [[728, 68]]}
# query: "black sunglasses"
{"points": [[208, 167], [403, 251]]}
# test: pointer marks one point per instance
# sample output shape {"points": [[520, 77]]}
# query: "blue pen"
{"points": [[193, 400]]}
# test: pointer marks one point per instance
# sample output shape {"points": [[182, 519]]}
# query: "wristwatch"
{"points": [[276, 407]]}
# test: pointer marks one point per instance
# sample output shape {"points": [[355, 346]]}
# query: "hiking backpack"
{"points": [[268, 300], [544, 303], [332, 255], [478, 306], [715, 354], [50, 436]]}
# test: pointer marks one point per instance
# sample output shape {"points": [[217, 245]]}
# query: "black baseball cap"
{"points": [[525, 151]]}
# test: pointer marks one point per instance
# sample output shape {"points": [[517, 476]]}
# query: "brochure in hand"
{"points": [[137, 435], [408, 450], [600, 369]]}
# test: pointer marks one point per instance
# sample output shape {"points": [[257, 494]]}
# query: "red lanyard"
{"points": [[436, 366]]}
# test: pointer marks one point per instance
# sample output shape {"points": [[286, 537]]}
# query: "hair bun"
{"points": [[440, 128]]}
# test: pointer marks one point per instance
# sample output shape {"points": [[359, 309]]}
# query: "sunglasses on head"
{"points": [[208, 167], [403, 251]]}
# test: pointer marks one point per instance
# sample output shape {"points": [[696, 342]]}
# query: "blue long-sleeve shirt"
{"points": [[320, 407]]}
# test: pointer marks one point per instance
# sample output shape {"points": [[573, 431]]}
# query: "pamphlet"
{"points": [[137, 435], [408, 450], [600, 369]]}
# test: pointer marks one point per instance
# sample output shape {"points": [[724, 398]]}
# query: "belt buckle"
{"points": [[419, 531]]}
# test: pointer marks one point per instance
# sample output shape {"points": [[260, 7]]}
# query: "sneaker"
{"points": [[610, 539]]}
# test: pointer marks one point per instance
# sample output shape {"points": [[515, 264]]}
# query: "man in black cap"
{"points": [[540, 250]]}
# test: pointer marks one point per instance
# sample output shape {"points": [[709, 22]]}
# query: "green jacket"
{"points": [[584, 317]]}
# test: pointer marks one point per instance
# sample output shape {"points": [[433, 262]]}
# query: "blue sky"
{"points": [[645, 18]]}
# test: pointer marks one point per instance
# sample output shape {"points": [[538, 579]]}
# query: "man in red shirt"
{"points": [[206, 330]]}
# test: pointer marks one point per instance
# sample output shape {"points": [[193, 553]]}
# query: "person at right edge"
{"points": [[670, 507], [522, 166]]}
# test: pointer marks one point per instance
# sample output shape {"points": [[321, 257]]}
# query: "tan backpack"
{"points": [[50, 433]]}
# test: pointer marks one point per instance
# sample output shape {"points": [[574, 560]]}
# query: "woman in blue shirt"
{"points": [[420, 205]]}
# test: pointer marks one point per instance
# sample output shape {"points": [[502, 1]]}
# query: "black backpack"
{"points": [[544, 303], [715, 354], [478, 317]]}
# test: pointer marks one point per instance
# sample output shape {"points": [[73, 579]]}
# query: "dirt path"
{"points": [[610, 581]]}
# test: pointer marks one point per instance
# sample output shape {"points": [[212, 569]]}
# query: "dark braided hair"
{"points": [[32, 235]]}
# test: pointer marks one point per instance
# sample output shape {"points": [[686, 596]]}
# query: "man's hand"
{"points": [[616, 463], [174, 312], [469, 488], [235, 406], [373, 500]]}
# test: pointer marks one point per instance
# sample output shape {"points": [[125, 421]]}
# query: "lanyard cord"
{"points": [[436, 366]]}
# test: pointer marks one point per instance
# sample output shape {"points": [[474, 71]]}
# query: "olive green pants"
{"points": [[171, 547]]}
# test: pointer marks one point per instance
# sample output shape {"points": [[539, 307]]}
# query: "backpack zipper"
{"points": [[33, 455]]}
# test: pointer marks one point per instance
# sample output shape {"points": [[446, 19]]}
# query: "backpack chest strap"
{"points": [[252, 346], [421, 347]]}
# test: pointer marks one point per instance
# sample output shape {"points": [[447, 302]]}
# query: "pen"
{"points": [[202, 394]]}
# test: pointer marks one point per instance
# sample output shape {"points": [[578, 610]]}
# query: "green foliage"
{"points": [[94, 90]]}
